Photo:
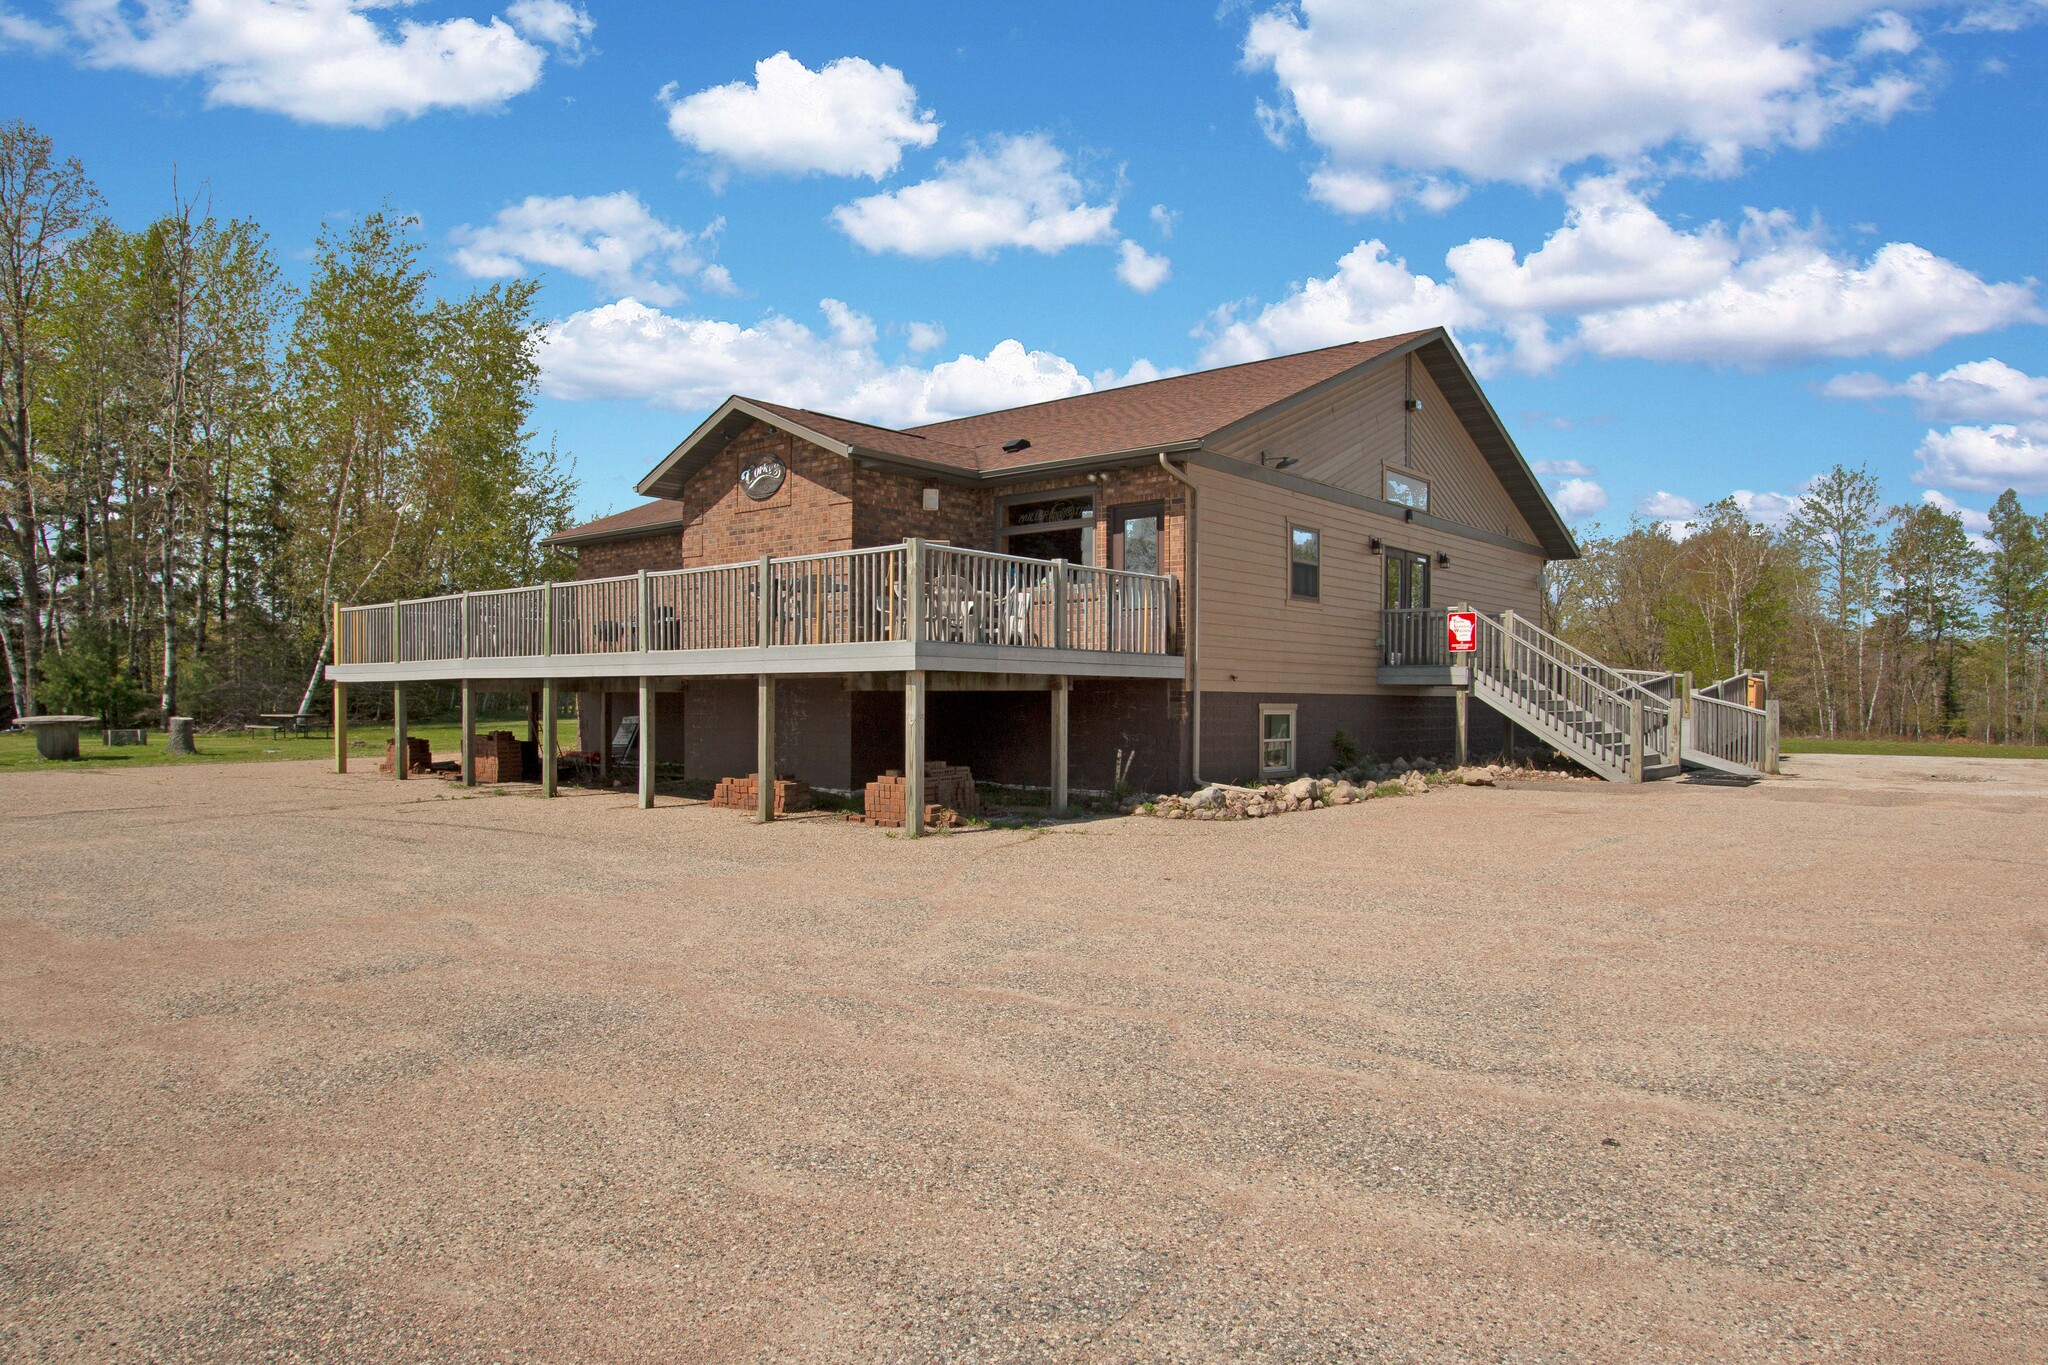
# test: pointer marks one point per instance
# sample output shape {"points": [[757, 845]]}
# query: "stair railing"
{"points": [[1660, 732], [1567, 703]]}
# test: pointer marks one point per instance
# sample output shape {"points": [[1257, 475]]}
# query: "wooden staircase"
{"points": [[1599, 717]]}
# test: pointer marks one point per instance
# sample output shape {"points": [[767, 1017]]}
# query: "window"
{"points": [[1407, 578], [1407, 489], [1276, 740], [1049, 526], [1305, 563], [1134, 537]]}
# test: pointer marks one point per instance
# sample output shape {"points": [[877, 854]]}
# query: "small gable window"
{"points": [[1305, 562], [1407, 490]]}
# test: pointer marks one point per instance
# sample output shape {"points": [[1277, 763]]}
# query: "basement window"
{"points": [[1276, 740]]}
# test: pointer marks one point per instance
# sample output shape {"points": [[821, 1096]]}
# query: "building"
{"points": [[1307, 491], [1212, 576]]}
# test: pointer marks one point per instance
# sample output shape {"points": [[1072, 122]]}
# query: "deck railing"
{"points": [[895, 593]]}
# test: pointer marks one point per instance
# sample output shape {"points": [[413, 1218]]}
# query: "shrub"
{"points": [[1346, 749]]}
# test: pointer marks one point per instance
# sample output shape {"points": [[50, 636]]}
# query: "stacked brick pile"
{"points": [[419, 755], [498, 758], [743, 793], [949, 797]]}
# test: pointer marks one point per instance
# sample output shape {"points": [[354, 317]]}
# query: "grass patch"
{"points": [[366, 744], [1914, 748]]}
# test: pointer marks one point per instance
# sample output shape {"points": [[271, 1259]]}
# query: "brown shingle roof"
{"points": [[1161, 412], [660, 514], [907, 445]]}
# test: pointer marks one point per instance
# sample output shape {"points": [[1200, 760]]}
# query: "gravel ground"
{"points": [[304, 1067]]}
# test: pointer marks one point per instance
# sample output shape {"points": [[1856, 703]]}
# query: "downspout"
{"points": [[1194, 640]]}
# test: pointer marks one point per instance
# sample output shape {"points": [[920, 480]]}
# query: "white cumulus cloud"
{"points": [[555, 22], [1665, 506], [849, 117], [1142, 270], [1975, 391], [322, 61], [628, 350], [1370, 294], [1576, 469], [1016, 192], [1403, 94], [1976, 521], [613, 240], [1577, 499], [1789, 298], [1617, 280], [1985, 459]]}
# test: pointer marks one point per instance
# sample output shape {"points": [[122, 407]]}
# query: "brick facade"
{"points": [[630, 554]]}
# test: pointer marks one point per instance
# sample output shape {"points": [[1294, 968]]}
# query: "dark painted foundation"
{"points": [[835, 738]]}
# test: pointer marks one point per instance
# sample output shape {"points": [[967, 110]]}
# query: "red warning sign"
{"points": [[1463, 629]]}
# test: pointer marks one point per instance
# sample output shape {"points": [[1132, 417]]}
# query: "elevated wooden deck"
{"points": [[894, 609]]}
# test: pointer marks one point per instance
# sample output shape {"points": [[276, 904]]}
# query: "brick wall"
{"points": [[810, 514], [1383, 726], [889, 508], [613, 558]]}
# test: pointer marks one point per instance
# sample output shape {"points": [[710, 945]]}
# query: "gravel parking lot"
{"points": [[304, 1067]]}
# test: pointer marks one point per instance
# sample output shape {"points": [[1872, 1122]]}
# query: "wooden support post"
{"points": [[646, 743], [1635, 739], [1684, 715], [548, 764], [764, 745], [1062, 693], [1463, 704], [468, 733], [398, 750], [646, 613], [1771, 737], [1059, 604], [913, 588], [913, 752], [764, 626], [341, 727]]}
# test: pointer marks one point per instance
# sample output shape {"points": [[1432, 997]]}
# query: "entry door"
{"points": [[1407, 579], [1134, 537]]}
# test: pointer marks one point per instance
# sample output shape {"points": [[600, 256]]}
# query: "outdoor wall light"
{"points": [[1442, 558], [1407, 514], [1284, 462], [1414, 405], [1373, 546]]}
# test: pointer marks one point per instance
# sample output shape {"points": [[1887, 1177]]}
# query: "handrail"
{"points": [[836, 597], [1614, 730], [1586, 660]]}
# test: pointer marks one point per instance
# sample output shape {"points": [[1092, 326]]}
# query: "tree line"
{"points": [[199, 459], [1871, 619]]}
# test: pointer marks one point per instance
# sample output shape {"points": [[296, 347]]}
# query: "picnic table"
{"points": [[288, 723]]}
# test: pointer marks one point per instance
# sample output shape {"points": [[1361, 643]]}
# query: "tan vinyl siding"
{"points": [[1253, 629], [1341, 437], [1462, 486], [1347, 437]]}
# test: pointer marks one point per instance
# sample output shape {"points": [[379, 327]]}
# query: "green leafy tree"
{"points": [[1932, 569], [2015, 594], [45, 205], [1837, 530]]}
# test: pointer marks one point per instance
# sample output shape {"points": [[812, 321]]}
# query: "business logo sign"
{"points": [[760, 479], [1462, 630]]}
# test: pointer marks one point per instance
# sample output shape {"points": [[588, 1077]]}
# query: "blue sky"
{"points": [[1695, 246]]}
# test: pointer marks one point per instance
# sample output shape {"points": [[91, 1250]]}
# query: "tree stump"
{"points": [[180, 735]]}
